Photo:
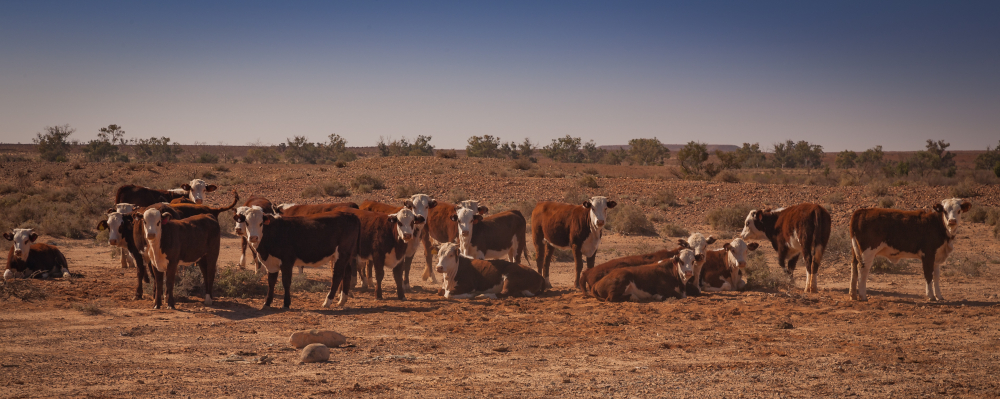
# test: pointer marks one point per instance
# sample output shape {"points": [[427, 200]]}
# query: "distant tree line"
{"points": [[934, 157]]}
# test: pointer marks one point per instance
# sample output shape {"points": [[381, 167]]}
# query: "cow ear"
{"points": [[683, 243], [33, 237], [268, 219], [759, 215], [239, 218], [165, 217], [477, 218], [612, 204], [408, 204], [454, 218], [432, 204], [276, 210], [8, 236], [102, 225], [419, 219], [710, 240], [211, 187], [393, 219], [727, 246], [676, 258], [186, 187], [586, 204], [699, 257], [938, 208], [753, 246], [483, 210], [110, 211], [966, 205]]}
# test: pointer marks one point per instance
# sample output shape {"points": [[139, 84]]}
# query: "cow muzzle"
{"points": [[600, 223], [407, 237], [199, 201], [439, 269], [113, 242], [688, 274], [952, 222], [150, 236], [17, 253], [254, 239]]}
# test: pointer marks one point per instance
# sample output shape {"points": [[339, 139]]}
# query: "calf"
{"points": [[575, 227], [800, 229], [465, 277], [384, 242], [169, 242], [499, 236], [593, 275], [145, 196], [441, 229], [27, 259], [123, 231], [421, 205], [927, 235], [279, 243], [722, 268], [657, 281], [268, 208]]}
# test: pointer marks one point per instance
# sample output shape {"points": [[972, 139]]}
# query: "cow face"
{"points": [[114, 226], [252, 219], [405, 221], [420, 204], [22, 239], [151, 220], [598, 211], [684, 262], [466, 218], [241, 224], [473, 205], [950, 209], [737, 252], [125, 209], [196, 190], [698, 243], [753, 225], [447, 265]]}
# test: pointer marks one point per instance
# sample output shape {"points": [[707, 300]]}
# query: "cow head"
{"points": [[447, 265], [473, 205], [22, 239], [698, 243], [684, 262], [114, 226], [950, 209], [466, 218], [123, 208], [241, 225], [753, 226], [736, 252], [151, 220], [420, 204], [252, 221], [598, 211], [196, 190], [405, 220]]}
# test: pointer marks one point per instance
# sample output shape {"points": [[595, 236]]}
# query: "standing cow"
{"points": [[169, 242], [800, 229], [575, 227]]}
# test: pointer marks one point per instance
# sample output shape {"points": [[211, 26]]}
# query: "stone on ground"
{"points": [[300, 339]]}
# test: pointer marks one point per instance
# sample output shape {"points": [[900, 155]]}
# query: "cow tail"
{"points": [[65, 263], [236, 199]]}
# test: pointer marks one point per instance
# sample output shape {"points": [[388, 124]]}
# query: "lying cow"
{"points": [[27, 259], [575, 227], [928, 235], [657, 281], [145, 196], [593, 275], [723, 268], [169, 242], [499, 236], [799, 229], [465, 277]]}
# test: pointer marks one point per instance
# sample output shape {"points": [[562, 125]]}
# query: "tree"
{"points": [[846, 159], [751, 156], [729, 160], [300, 150], [988, 159], [106, 146], [647, 151], [156, 149], [420, 147], [807, 155], [487, 146], [783, 155], [692, 156], [53, 146], [337, 149], [592, 153], [564, 149]]}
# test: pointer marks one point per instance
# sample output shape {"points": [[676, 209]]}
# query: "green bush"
{"points": [[54, 146], [420, 147], [629, 220], [447, 154], [206, 157], [728, 218]]}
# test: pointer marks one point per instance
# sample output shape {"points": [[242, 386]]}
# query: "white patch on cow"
{"points": [[197, 191], [405, 220], [950, 216], [465, 223], [22, 243], [272, 264], [449, 295], [527, 293], [635, 294], [447, 265], [8, 274], [488, 295], [179, 191], [750, 231], [778, 210], [794, 244]]}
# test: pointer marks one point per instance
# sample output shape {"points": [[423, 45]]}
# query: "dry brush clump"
{"points": [[406, 190], [331, 189], [761, 277], [628, 219], [233, 282], [589, 182], [367, 183], [67, 211], [731, 217], [23, 289], [665, 197]]}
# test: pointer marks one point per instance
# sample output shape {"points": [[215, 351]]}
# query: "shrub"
{"points": [[206, 157], [227, 225], [53, 146], [838, 247], [727, 177], [884, 266], [647, 151], [728, 218], [485, 146], [447, 154], [834, 198], [628, 219], [406, 191], [156, 149], [692, 156], [457, 194], [234, 282], [340, 164], [965, 189], [265, 155], [188, 281], [92, 308], [301, 283], [590, 170], [966, 267], [367, 180], [673, 230], [420, 147], [312, 191], [589, 181], [23, 289], [221, 168], [521, 164], [878, 188], [574, 197], [977, 214], [761, 277], [886, 202], [663, 197]]}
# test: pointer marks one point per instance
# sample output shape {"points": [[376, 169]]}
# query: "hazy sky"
{"points": [[846, 75]]}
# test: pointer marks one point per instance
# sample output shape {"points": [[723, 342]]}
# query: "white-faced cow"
{"points": [[698, 243], [27, 259], [123, 228], [421, 205], [657, 281], [240, 229], [575, 227], [280, 243], [499, 236], [441, 229], [802, 229], [145, 196], [928, 235], [169, 242], [113, 224], [593, 275], [723, 268], [465, 277], [384, 241]]}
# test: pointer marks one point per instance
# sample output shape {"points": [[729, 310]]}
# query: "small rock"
{"points": [[300, 339], [314, 353], [405, 370], [785, 325]]}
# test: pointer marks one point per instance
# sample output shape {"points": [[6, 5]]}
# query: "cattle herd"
{"points": [[478, 253]]}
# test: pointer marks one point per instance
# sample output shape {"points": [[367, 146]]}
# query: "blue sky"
{"points": [[844, 74]]}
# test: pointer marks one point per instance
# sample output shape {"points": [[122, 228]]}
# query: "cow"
{"points": [[723, 268], [311, 209], [802, 229], [384, 242], [169, 242], [125, 231], [279, 243], [268, 208], [187, 210], [698, 243], [441, 229], [465, 277], [928, 235], [420, 204], [593, 275], [499, 236], [145, 196], [126, 211], [576, 227], [28, 259], [658, 281]]}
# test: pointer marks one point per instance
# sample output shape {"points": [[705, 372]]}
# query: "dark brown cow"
{"points": [[312, 209], [800, 229], [26, 258], [282, 242], [575, 227], [465, 277], [145, 196], [441, 229], [420, 204], [723, 268], [186, 210], [658, 281], [384, 241], [169, 242], [125, 232], [499, 236], [593, 275], [268, 208], [928, 235]]}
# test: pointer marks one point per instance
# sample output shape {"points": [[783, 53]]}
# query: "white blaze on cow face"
{"points": [[253, 222], [698, 243], [737, 252], [950, 209], [421, 204], [115, 221], [151, 223], [405, 219], [750, 231], [196, 190], [22, 239], [684, 261], [125, 209], [241, 224], [466, 218], [598, 211], [447, 265]]}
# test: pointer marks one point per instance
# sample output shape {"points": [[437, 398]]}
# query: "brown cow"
{"points": [[465, 277], [268, 208], [169, 242], [311, 209], [441, 229], [657, 281], [576, 227], [723, 268], [593, 275], [799, 229], [186, 210], [145, 196], [420, 204], [384, 241], [499, 236], [928, 235], [26, 258]]}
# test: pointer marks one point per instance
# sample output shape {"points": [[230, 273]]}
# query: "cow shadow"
{"points": [[378, 309], [914, 299]]}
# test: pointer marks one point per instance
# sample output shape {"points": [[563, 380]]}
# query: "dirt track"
{"points": [[561, 344]]}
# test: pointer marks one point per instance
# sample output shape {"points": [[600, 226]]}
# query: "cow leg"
{"points": [[548, 250], [867, 259], [810, 276], [853, 291], [425, 236], [407, 261], [397, 275], [140, 274], [817, 258], [243, 254], [171, 277], [931, 274], [272, 279], [369, 271], [379, 261], [578, 259], [286, 282], [538, 238], [208, 274], [157, 288]]}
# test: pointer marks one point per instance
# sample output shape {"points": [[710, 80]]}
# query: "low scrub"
{"points": [[574, 197], [234, 282], [761, 277], [446, 154], [834, 198], [886, 202], [673, 230], [23, 289], [965, 189], [884, 266], [525, 207], [301, 283], [589, 182], [662, 197], [727, 176], [92, 308], [367, 181], [406, 190], [878, 188], [331, 189], [965, 266], [457, 195], [838, 248], [731, 217], [629, 220], [521, 164]]}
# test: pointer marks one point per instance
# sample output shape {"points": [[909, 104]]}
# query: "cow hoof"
{"points": [[137, 298], [208, 300], [326, 303], [156, 307], [286, 308]]}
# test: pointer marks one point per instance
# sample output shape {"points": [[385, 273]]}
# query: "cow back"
{"points": [[312, 209], [190, 239], [908, 231], [380, 207], [595, 274], [310, 238], [562, 224]]}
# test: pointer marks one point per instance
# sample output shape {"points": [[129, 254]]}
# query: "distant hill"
{"points": [[677, 147]]}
